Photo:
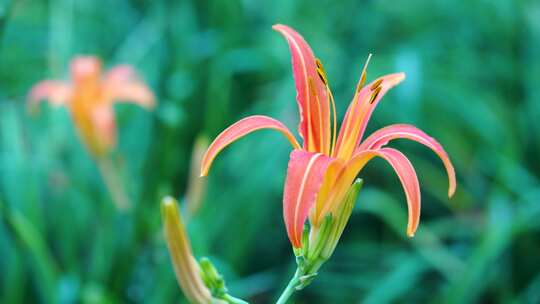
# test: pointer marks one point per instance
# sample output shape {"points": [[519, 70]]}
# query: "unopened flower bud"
{"points": [[186, 268], [324, 238], [340, 219]]}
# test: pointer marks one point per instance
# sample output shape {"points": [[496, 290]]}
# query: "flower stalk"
{"points": [[291, 287], [113, 183], [196, 185]]}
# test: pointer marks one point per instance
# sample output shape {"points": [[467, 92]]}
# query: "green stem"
{"points": [[113, 182], [291, 287], [31, 238], [232, 300]]}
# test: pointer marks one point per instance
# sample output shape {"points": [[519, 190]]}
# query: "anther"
{"points": [[320, 71], [376, 92], [376, 85]]}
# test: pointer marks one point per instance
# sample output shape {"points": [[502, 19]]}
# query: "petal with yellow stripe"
{"points": [[359, 112], [240, 129], [311, 89], [382, 136], [403, 168], [305, 174]]}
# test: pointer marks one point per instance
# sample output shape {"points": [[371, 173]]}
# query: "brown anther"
{"points": [[376, 85], [320, 71], [376, 92], [361, 83]]}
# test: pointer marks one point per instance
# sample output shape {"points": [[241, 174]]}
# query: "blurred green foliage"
{"points": [[472, 82]]}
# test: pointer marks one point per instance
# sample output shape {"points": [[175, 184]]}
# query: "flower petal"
{"points": [[239, 129], [327, 188], [401, 165], [305, 175], [364, 102], [86, 70], [123, 84], [57, 92], [104, 129], [121, 73], [382, 136], [311, 88]]}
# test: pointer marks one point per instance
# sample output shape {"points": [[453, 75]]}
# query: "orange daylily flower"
{"points": [[321, 171], [89, 96]]}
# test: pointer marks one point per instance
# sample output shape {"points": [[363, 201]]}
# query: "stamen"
{"points": [[376, 85], [334, 132], [363, 75], [376, 92], [324, 79], [320, 72], [314, 93]]}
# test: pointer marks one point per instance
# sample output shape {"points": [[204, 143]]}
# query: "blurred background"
{"points": [[472, 82]]}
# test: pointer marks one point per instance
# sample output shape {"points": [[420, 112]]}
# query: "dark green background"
{"points": [[473, 72]]}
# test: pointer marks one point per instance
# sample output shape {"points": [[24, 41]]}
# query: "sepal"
{"points": [[212, 278]]}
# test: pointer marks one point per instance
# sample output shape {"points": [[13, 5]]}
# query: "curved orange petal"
{"points": [[359, 112], [382, 136], [312, 99], [239, 129], [403, 168], [57, 92], [123, 84], [305, 174]]}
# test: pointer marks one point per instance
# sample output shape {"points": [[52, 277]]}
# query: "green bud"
{"points": [[343, 213], [319, 245], [302, 251], [211, 277], [320, 237], [324, 238]]}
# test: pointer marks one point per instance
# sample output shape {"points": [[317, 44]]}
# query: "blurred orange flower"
{"points": [[89, 96]]}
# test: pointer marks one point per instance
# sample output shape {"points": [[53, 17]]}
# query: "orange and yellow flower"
{"points": [[89, 96], [322, 169]]}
